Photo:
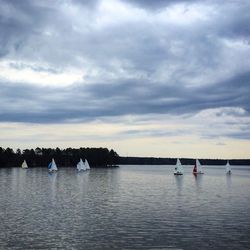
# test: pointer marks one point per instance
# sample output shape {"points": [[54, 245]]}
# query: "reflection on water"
{"points": [[179, 183], [52, 184], [229, 181], [133, 207], [198, 181]]}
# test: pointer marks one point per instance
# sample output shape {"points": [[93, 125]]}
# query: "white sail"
{"points": [[24, 164], [87, 164], [80, 165], [199, 168], [228, 168], [178, 168], [52, 166]]}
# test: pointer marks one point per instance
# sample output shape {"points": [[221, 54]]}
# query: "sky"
{"points": [[162, 78]]}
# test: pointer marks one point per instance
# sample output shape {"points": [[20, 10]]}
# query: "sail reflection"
{"points": [[179, 183], [82, 178], [198, 181], [229, 181], [52, 181]]}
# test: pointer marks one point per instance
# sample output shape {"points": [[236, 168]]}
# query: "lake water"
{"points": [[131, 207]]}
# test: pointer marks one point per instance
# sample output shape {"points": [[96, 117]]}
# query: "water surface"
{"points": [[131, 207]]}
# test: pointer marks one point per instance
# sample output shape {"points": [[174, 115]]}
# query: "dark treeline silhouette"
{"points": [[172, 161], [40, 157], [97, 157]]}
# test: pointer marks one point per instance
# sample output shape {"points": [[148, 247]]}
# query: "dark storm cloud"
{"points": [[87, 3], [156, 4], [144, 46], [141, 66], [81, 102], [18, 21]]}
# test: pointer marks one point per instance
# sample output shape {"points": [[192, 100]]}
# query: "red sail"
{"points": [[195, 168]]}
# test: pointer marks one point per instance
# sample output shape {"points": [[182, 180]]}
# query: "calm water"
{"points": [[132, 207]]}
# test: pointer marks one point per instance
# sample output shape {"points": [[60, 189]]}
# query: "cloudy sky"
{"points": [[144, 77]]}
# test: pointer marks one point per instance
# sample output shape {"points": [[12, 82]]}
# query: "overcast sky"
{"points": [[146, 78]]}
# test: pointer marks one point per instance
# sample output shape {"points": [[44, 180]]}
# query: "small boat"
{"points": [[52, 166], [87, 164], [81, 166], [197, 168], [228, 168], [24, 164], [178, 168]]}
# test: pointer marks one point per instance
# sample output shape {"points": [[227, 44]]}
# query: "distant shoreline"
{"points": [[185, 161], [97, 158]]}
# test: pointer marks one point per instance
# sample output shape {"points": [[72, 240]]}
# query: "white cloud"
{"points": [[38, 74]]}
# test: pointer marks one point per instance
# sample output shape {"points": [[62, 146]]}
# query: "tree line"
{"points": [[69, 157], [97, 157], [184, 161]]}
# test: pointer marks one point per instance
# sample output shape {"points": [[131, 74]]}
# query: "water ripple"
{"points": [[136, 207]]}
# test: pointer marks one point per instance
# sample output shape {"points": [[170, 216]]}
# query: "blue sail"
{"points": [[49, 166]]}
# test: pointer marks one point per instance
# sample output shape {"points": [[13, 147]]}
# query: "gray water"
{"points": [[131, 207]]}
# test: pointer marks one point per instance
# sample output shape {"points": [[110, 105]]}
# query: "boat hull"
{"points": [[81, 170]]}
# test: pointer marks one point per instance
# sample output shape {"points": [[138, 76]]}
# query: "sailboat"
{"points": [[81, 166], [228, 168], [52, 166], [197, 168], [178, 168], [24, 164], [87, 164]]}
